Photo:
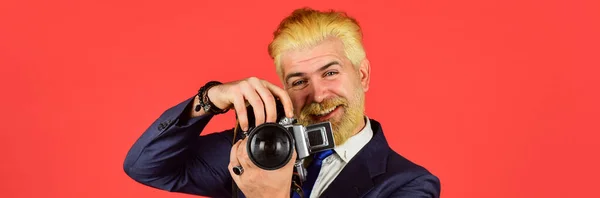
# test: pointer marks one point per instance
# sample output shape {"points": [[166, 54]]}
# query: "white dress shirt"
{"points": [[333, 164]]}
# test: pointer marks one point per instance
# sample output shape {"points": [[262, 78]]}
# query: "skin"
{"points": [[322, 78], [315, 80]]}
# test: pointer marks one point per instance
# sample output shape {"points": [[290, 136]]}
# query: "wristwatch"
{"points": [[205, 102]]}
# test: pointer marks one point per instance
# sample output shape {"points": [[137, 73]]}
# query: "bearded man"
{"points": [[321, 62]]}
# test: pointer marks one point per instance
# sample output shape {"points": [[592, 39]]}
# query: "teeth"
{"points": [[322, 113]]}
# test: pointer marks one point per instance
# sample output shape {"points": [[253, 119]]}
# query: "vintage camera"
{"points": [[270, 145]]}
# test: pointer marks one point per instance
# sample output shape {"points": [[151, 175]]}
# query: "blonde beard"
{"points": [[344, 127]]}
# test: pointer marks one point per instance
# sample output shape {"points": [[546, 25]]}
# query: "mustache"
{"points": [[315, 108]]}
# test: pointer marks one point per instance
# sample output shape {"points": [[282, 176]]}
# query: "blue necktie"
{"points": [[313, 172]]}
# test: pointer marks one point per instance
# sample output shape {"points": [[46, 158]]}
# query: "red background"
{"points": [[497, 98]]}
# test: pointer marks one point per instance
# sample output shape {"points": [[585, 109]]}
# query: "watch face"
{"points": [[206, 107]]}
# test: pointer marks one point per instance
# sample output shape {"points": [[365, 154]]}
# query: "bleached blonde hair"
{"points": [[306, 27]]}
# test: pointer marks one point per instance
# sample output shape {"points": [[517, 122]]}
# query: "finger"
{"points": [[233, 160], [240, 109], [242, 155], [254, 100], [283, 96], [267, 98]]}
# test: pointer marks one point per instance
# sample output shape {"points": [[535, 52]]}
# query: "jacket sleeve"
{"points": [[171, 155]]}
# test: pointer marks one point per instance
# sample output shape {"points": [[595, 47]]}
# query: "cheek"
{"points": [[297, 102], [341, 88]]}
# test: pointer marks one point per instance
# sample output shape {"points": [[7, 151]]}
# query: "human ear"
{"points": [[364, 72]]}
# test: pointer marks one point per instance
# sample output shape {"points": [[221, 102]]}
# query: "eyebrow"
{"points": [[297, 74]]}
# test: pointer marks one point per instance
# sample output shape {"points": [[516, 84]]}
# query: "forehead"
{"points": [[303, 59]]}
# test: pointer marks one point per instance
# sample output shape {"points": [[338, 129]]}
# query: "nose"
{"points": [[320, 92]]}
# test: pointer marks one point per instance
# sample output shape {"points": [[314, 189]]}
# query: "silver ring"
{"points": [[238, 170]]}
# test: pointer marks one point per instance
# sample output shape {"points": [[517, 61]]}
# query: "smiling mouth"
{"points": [[325, 114]]}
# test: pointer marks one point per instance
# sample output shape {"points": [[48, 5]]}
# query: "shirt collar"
{"points": [[351, 147]]}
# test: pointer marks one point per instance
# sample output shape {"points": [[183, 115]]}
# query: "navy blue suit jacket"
{"points": [[171, 155]]}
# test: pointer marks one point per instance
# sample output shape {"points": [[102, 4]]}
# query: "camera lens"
{"points": [[270, 146]]}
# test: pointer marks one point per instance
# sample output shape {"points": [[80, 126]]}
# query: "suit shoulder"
{"points": [[399, 163], [403, 170]]}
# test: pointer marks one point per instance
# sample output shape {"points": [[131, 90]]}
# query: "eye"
{"points": [[330, 73], [298, 83]]}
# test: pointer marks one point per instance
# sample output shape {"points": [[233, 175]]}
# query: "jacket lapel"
{"points": [[355, 180]]}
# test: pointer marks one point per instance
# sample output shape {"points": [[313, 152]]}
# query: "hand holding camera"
{"points": [[255, 181], [254, 100], [274, 144], [258, 93]]}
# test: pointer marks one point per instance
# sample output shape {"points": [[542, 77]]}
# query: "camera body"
{"points": [[309, 139], [270, 145]]}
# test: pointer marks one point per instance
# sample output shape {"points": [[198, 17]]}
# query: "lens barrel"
{"points": [[270, 146]]}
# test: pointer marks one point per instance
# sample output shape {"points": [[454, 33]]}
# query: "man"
{"points": [[320, 60]]}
